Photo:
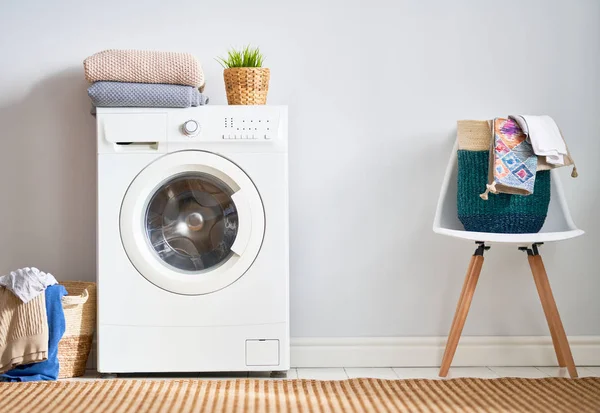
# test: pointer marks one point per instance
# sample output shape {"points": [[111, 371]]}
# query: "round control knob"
{"points": [[191, 128]]}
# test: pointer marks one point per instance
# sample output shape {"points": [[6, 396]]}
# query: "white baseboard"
{"points": [[428, 351]]}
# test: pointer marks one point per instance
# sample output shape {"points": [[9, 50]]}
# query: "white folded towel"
{"points": [[544, 136], [27, 283]]}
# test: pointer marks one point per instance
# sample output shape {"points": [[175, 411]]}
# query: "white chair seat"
{"points": [[558, 226], [521, 239]]}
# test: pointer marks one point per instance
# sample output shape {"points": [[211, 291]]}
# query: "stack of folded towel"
{"points": [[141, 78]]}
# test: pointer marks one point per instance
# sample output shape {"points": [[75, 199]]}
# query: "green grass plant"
{"points": [[246, 57]]}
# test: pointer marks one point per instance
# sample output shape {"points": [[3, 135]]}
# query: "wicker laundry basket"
{"points": [[474, 135], [501, 213], [80, 317], [247, 85]]}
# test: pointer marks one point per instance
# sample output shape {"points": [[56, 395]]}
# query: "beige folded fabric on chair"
{"points": [[144, 66], [543, 165], [23, 330]]}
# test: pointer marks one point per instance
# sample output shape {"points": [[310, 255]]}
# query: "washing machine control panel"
{"points": [[248, 128], [233, 124], [222, 128]]}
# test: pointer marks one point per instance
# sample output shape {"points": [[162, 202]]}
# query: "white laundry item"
{"points": [[545, 137], [27, 283]]}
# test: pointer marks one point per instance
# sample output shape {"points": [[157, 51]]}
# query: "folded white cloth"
{"points": [[544, 136], [27, 283]]}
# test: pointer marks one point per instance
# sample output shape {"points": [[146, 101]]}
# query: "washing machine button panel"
{"points": [[249, 128], [230, 129]]}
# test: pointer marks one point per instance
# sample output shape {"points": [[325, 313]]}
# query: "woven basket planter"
{"points": [[501, 213], [247, 85], [80, 316]]}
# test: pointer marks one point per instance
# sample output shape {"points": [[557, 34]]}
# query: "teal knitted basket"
{"points": [[501, 213]]}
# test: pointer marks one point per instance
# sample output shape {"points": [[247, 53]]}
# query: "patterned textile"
{"points": [[119, 94], [144, 66], [512, 161]]}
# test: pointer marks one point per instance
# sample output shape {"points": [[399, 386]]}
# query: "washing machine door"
{"points": [[192, 222]]}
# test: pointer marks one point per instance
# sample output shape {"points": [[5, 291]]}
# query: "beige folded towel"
{"points": [[23, 330], [144, 66]]}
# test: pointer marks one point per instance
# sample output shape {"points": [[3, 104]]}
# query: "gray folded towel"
{"points": [[119, 94]]}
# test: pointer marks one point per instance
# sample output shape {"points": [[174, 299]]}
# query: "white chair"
{"points": [[557, 227]]}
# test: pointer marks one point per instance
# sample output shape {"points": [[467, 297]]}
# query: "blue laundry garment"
{"points": [[48, 369]]}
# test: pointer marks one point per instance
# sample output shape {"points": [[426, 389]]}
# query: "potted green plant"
{"points": [[246, 81]]}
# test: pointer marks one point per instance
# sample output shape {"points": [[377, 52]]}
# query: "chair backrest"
{"points": [[446, 216]]}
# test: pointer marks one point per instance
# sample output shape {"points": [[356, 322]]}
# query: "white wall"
{"points": [[374, 90]]}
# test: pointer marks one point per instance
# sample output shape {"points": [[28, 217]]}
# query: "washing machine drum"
{"points": [[192, 222]]}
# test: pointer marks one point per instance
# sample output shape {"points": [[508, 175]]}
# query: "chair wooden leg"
{"points": [[462, 292], [559, 337], [462, 310], [534, 264]]}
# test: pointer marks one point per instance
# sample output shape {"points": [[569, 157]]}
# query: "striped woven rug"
{"points": [[356, 395]]}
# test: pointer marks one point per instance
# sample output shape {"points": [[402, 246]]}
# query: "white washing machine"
{"points": [[193, 239]]}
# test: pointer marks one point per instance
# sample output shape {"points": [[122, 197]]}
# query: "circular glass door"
{"points": [[192, 222]]}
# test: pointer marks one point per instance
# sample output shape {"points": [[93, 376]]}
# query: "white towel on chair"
{"points": [[544, 136]]}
